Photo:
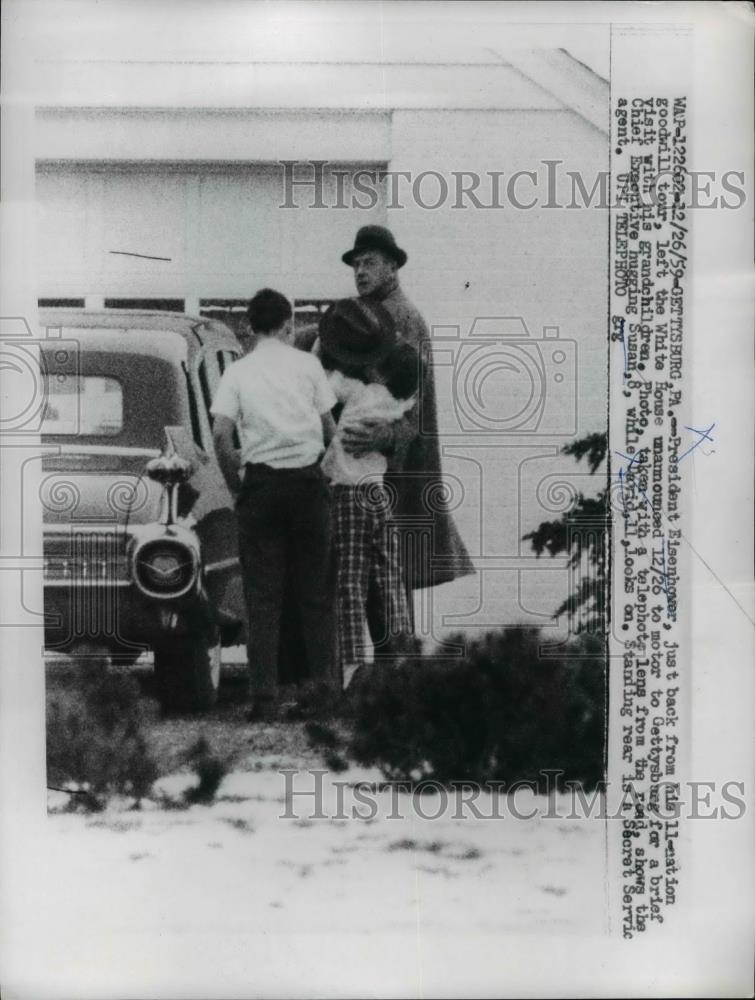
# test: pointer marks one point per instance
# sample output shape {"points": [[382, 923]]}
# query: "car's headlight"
{"points": [[165, 567]]}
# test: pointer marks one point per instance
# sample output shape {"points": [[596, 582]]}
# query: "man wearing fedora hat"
{"points": [[433, 550]]}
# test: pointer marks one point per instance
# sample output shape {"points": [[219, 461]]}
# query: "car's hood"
{"points": [[91, 485]]}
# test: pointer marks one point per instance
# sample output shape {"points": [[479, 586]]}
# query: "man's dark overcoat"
{"points": [[434, 549]]}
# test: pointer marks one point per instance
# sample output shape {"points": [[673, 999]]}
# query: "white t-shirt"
{"points": [[276, 395], [360, 401]]}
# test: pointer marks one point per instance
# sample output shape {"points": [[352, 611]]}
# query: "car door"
{"points": [[213, 507]]}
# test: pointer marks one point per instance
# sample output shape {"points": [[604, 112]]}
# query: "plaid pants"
{"points": [[366, 549]]}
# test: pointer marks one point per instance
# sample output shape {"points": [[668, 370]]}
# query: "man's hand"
{"points": [[368, 435], [229, 458]]}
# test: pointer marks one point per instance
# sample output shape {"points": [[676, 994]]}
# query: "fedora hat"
{"points": [[375, 238], [355, 332]]}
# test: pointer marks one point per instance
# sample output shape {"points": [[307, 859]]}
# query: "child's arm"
{"points": [[325, 399], [328, 427], [342, 385], [226, 412], [390, 433], [228, 456]]}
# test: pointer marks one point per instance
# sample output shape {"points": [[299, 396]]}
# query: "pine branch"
{"points": [[594, 446], [564, 535]]}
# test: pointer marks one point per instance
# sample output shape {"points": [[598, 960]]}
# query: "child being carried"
{"points": [[375, 376]]}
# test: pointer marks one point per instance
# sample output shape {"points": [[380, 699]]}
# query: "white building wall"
{"points": [[222, 231], [547, 265], [209, 135]]}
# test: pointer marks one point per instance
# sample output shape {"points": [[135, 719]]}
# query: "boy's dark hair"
{"points": [[401, 371], [268, 310]]}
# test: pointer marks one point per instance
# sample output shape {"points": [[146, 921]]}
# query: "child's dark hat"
{"points": [[357, 332]]}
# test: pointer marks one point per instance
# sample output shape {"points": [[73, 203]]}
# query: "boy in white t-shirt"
{"points": [[279, 400], [374, 376]]}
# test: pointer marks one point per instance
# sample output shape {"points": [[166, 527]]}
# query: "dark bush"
{"points": [[209, 768], [95, 736], [322, 736], [508, 710]]}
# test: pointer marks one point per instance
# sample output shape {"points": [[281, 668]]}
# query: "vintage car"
{"points": [[140, 545]]}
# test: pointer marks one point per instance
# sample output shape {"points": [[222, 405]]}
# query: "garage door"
{"points": [[187, 234]]}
